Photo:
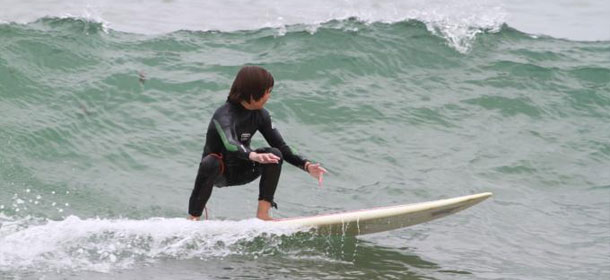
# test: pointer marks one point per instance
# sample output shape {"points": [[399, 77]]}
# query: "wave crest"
{"points": [[456, 21]]}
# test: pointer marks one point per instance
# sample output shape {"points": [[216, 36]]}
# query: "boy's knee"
{"points": [[210, 165], [276, 152]]}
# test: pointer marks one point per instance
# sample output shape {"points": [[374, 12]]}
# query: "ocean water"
{"points": [[104, 106]]}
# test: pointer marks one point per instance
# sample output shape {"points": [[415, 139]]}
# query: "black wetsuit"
{"points": [[225, 159]]}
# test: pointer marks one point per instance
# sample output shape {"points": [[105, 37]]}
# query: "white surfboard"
{"points": [[384, 218]]}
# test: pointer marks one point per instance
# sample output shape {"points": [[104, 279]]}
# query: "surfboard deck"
{"points": [[381, 219]]}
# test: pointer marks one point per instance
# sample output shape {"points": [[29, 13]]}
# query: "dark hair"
{"points": [[251, 82]]}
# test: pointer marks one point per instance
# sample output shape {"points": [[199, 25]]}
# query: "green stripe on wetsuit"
{"points": [[230, 147]]}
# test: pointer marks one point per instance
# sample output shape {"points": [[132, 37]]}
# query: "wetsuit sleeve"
{"points": [[226, 130], [274, 138]]}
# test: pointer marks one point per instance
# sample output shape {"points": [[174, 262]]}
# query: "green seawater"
{"points": [[101, 133]]}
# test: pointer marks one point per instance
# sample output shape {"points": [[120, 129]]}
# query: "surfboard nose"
{"points": [[381, 219]]}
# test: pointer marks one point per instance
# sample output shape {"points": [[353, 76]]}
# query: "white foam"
{"points": [[106, 244]]}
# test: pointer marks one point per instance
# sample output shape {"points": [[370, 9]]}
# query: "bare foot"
{"points": [[264, 218], [263, 210]]}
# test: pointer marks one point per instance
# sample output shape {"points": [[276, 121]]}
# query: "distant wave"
{"points": [[460, 38], [456, 21]]}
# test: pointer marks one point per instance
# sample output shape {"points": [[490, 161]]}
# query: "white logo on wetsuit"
{"points": [[245, 137]]}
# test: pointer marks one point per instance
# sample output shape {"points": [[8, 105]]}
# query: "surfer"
{"points": [[227, 158]]}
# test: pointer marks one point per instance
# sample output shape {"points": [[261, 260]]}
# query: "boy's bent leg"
{"points": [[210, 169], [270, 176], [242, 172]]}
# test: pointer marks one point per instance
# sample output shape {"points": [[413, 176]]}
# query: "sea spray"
{"points": [[105, 244]]}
